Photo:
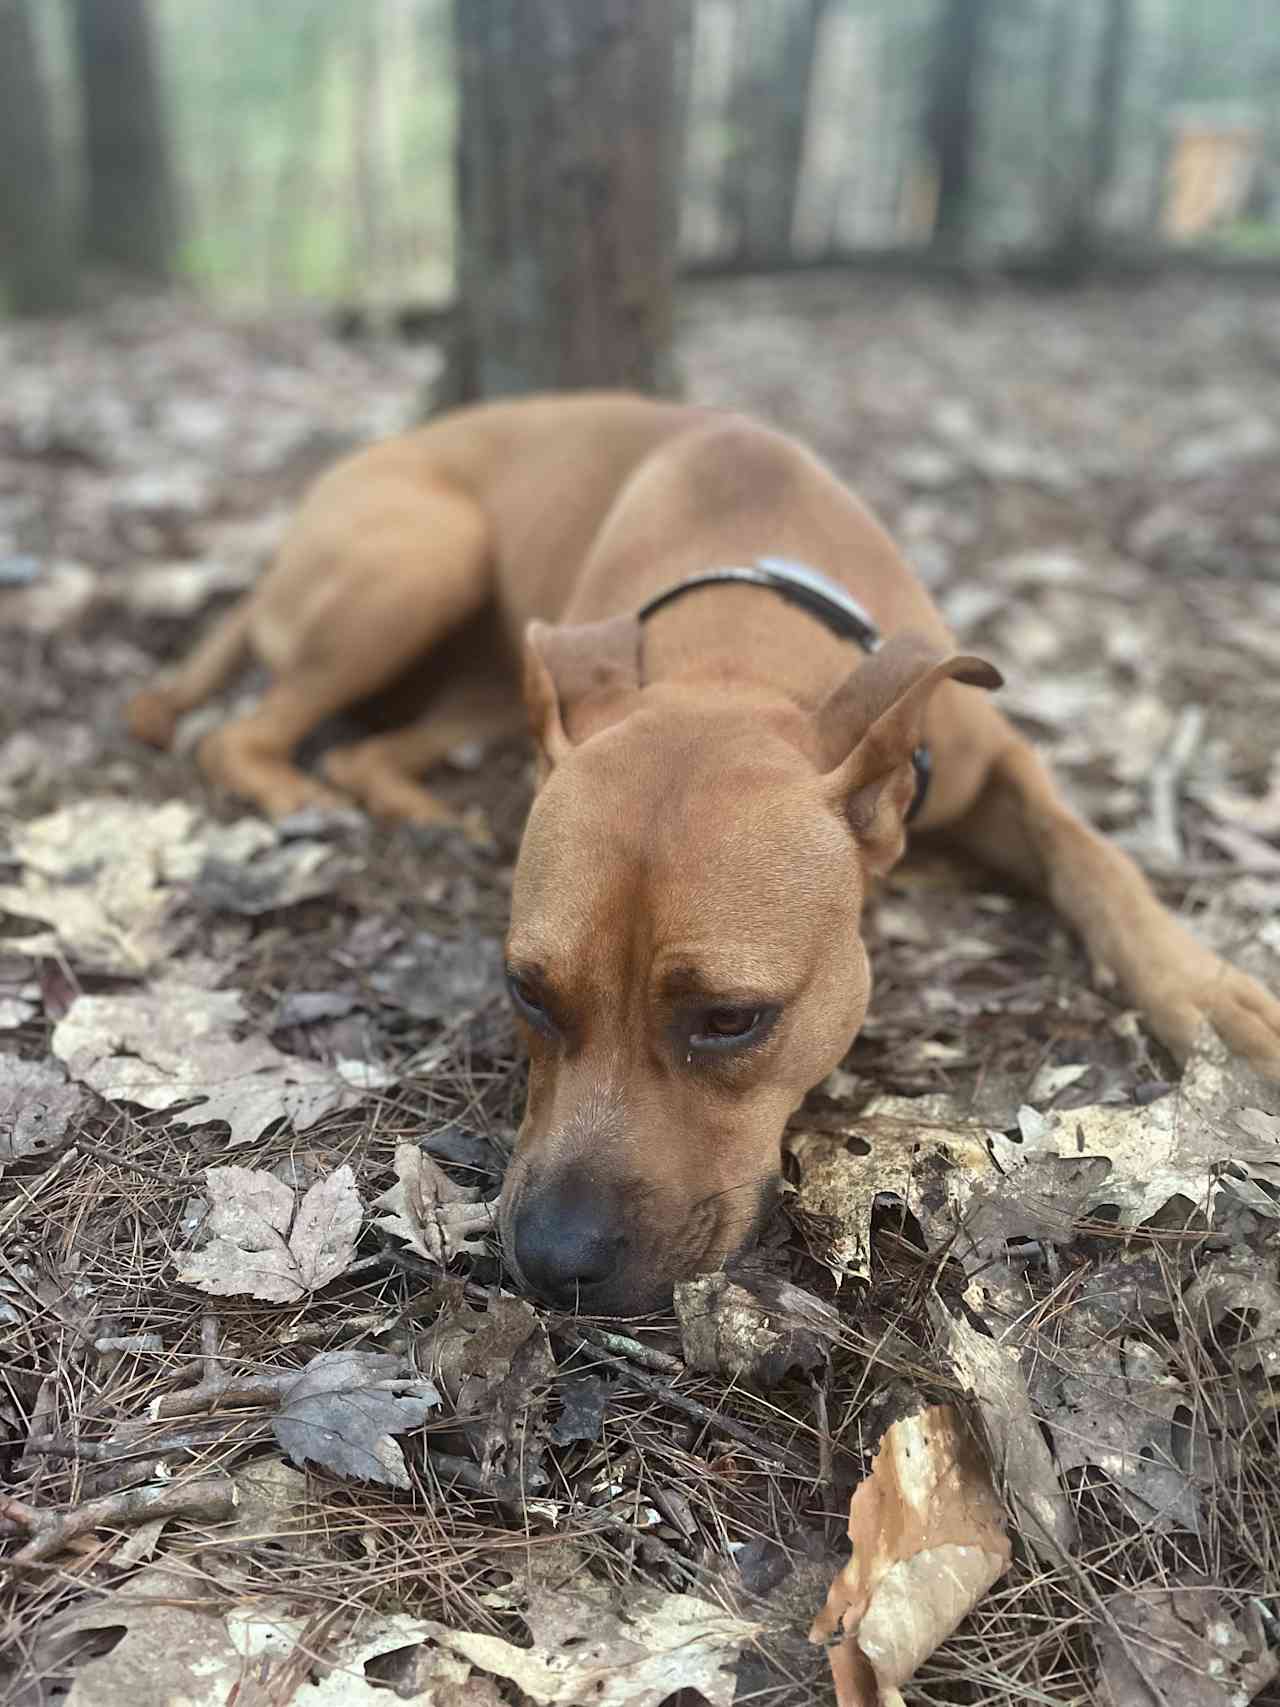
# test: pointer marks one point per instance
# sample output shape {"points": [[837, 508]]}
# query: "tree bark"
{"points": [[1109, 88], [130, 203], [769, 105], [35, 254], [567, 168], [953, 116]]}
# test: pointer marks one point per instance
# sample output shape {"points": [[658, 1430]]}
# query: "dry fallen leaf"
{"points": [[1181, 1643], [36, 1106], [177, 1647], [498, 1369], [914, 1149], [173, 1043], [261, 1248], [1020, 1455], [343, 1410], [729, 1330], [929, 1540], [585, 1654], [1112, 1405], [1210, 1140], [92, 871], [1235, 1304], [114, 878], [435, 1216], [584, 1402], [1187, 1144]]}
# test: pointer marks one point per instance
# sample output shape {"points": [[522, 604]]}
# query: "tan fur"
{"points": [[716, 789]]}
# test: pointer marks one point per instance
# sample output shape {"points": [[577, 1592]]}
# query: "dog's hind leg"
{"points": [[383, 772], [153, 713], [410, 567], [1020, 825]]}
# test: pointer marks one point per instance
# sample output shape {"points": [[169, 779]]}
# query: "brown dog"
{"points": [[720, 781]]}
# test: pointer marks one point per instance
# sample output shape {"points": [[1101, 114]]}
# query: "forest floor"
{"points": [[1004, 1203]]}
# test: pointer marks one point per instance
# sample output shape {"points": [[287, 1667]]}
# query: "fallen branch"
{"points": [[765, 1450], [211, 1498], [101, 1153], [220, 1390], [621, 1345]]}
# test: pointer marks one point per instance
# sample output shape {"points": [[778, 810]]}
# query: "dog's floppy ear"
{"points": [[876, 717], [569, 666]]}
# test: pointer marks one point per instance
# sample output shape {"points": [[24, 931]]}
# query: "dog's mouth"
{"points": [[593, 1247]]}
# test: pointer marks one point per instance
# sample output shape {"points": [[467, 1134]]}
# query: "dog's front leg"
{"points": [[1020, 824]]}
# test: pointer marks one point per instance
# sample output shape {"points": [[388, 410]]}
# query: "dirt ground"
{"points": [[1091, 486]]}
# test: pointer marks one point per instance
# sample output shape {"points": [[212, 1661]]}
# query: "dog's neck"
{"points": [[745, 641]]}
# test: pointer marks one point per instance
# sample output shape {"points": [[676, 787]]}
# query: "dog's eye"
{"points": [[727, 1027], [528, 1003]]}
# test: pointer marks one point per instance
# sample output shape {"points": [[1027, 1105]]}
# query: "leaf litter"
{"points": [[999, 1199], [116, 880], [174, 1045], [267, 1243]]}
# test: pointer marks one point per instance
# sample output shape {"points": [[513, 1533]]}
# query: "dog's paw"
{"points": [[385, 792], [1245, 1015], [152, 717], [274, 785]]}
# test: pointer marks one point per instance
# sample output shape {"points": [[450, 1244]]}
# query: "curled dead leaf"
{"points": [[929, 1540], [754, 1335], [432, 1213]]}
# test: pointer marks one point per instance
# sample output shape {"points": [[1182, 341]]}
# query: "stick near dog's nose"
{"points": [[569, 1238]]}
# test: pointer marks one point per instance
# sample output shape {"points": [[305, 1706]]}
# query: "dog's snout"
{"points": [[569, 1238]]}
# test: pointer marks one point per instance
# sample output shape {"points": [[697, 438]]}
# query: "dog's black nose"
{"points": [[568, 1239]]}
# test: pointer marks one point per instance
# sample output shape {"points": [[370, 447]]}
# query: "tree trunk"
{"points": [[1108, 104], [568, 143], [769, 105], [953, 116], [130, 212], [35, 255]]}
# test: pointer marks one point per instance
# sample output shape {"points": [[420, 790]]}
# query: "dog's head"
{"points": [[684, 951]]}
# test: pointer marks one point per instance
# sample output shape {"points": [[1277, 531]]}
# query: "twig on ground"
{"points": [[30, 1191], [211, 1498], [768, 1451], [698, 1575], [647, 1356], [238, 1390], [223, 1390], [822, 1426], [210, 1340], [91, 1147], [120, 1450], [1166, 774]]}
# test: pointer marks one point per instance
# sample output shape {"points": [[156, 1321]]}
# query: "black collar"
{"points": [[814, 593]]}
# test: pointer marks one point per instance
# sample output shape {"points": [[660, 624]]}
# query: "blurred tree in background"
{"points": [[567, 193], [312, 141], [130, 203], [36, 261], [774, 48], [958, 52]]}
